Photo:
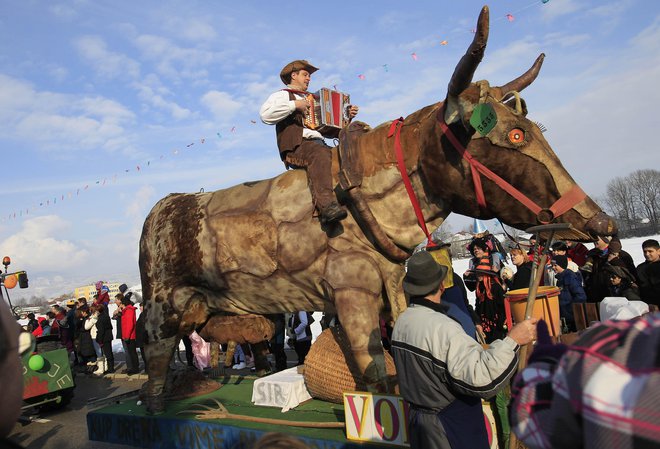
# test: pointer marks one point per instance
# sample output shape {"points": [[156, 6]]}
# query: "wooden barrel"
{"points": [[546, 306]]}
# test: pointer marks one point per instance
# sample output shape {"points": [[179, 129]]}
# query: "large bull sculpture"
{"points": [[257, 248]]}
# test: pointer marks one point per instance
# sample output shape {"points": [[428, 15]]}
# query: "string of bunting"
{"points": [[510, 17], [445, 41], [101, 181]]}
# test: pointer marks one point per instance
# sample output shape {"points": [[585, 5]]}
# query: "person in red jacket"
{"points": [[577, 252], [38, 331], [128, 334], [102, 294]]}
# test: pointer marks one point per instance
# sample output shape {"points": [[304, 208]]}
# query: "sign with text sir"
{"points": [[376, 417]]}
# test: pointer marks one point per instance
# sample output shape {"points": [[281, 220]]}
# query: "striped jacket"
{"points": [[603, 393]]}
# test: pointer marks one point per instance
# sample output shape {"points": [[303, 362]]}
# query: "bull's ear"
{"points": [[466, 67], [525, 79]]}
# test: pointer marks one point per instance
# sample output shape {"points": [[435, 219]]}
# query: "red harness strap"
{"points": [[395, 130], [562, 205], [565, 202]]}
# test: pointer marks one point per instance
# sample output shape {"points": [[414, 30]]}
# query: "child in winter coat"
{"points": [[86, 350], [104, 337], [622, 283], [571, 290]]}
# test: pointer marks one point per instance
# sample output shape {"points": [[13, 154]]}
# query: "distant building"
{"points": [[88, 291]]}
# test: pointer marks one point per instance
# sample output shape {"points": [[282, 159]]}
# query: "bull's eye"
{"points": [[516, 135]]}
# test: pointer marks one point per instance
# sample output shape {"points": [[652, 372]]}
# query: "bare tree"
{"points": [[621, 201], [646, 189], [444, 232], [635, 201]]}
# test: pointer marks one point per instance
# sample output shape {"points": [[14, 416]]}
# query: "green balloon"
{"points": [[36, 362]]}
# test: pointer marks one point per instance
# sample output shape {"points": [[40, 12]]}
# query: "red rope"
{"points": [[562, 205], [395, 130]]}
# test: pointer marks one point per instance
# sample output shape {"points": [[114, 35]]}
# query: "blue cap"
{"points": [[479, 227]]}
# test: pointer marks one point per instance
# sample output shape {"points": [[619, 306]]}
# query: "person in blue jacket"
{"points": [[571, 290]]}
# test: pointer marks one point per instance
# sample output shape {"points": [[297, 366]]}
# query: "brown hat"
{"points": [[618, 271], [294, 66], [423, 275]]}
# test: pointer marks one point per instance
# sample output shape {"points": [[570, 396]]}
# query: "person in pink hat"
{"points": [[103, 294]]}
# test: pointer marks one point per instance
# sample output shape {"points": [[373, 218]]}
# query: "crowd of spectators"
{"points": [[85, 328]]}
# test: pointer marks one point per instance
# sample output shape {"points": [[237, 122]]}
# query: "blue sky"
{"points": [[90, 90]]}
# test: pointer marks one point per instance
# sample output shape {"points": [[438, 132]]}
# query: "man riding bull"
{"points": [[301, 147]]}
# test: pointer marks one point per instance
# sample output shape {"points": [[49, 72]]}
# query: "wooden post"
{"points": [[537, 272]]}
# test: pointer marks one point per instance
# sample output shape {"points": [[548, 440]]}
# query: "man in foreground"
{"points": [[443, 372]]}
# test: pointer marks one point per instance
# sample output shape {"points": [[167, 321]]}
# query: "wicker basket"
{"points": [[330, 369]]}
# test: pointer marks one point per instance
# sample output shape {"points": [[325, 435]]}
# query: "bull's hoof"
{"points": [[156, 404], [376, 387], [388, 385], [264, 372]]}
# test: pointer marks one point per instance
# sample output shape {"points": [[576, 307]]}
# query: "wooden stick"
{"points": [[221, 412], [531, 297], [529, 309], [522, 354], [279, 422]]}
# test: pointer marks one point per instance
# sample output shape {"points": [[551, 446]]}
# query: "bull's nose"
{"points": [[602, 224]]}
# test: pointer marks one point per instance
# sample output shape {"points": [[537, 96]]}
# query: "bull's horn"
{"points": [[468, 64], [526, 78]]}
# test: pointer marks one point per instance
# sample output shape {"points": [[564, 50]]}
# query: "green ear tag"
{"points": [[483, 118]]}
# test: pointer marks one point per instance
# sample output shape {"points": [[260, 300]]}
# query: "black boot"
{"points": [[333, 212]]}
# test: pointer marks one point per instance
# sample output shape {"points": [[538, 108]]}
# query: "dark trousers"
{"points": [[302, 348], [316, 158], [144, 357], [187, 343], [277, 349], [108, 354], [132, 363]]}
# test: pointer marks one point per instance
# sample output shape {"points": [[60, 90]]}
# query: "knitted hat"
{"points": [[424, 274], [560, 260], [123, 288], [559, 246]]}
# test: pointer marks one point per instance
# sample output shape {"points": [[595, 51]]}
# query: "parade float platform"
{"points": [[129, 424]]}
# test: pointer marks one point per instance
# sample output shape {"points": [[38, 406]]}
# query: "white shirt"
{"points": [[278, 107]]}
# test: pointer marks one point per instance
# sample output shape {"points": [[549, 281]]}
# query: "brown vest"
{"points": [[289, 131]]}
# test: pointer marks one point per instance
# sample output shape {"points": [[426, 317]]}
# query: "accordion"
{"points": [[328, 110]]}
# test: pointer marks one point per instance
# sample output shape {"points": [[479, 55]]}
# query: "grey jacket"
{"points": [[435, 359]]}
